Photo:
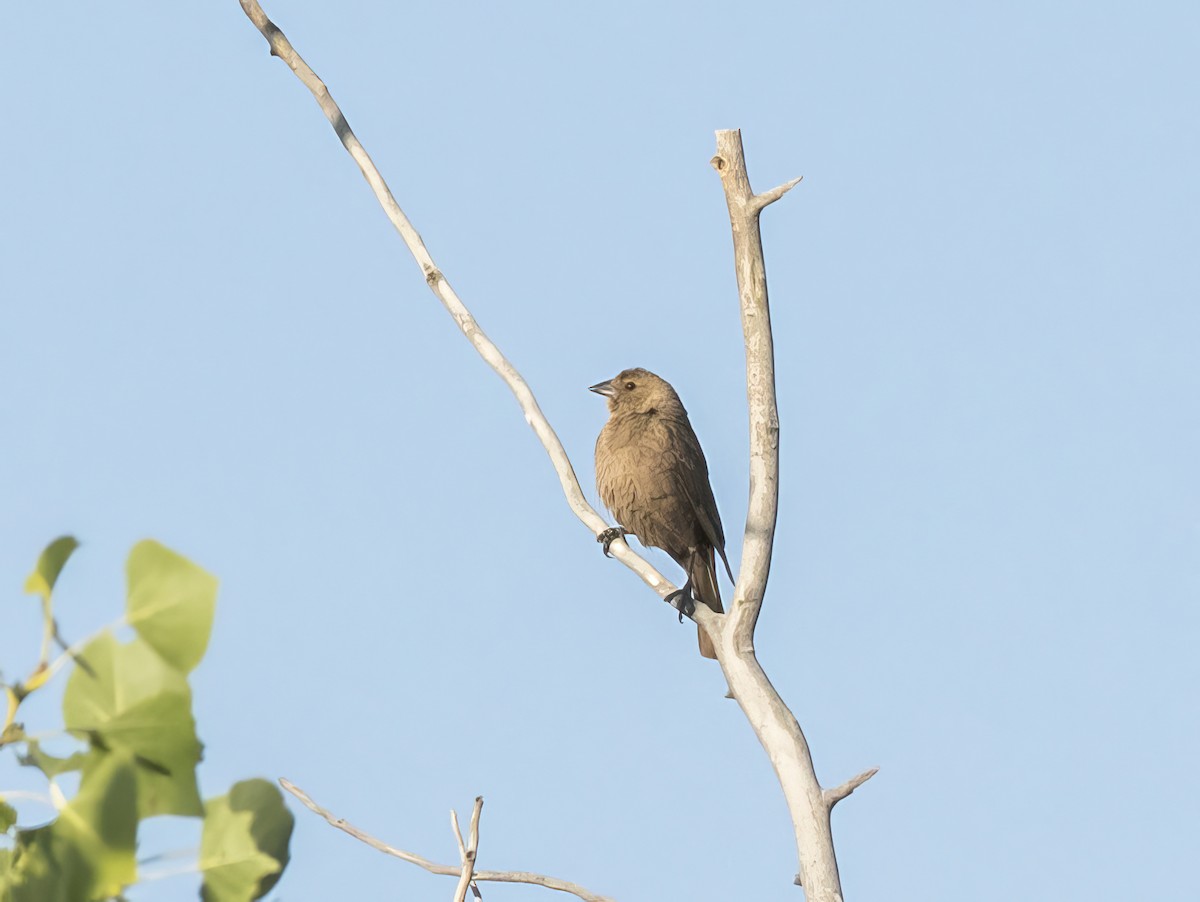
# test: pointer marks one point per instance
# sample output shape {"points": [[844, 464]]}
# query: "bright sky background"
{"points": [[985, 304]]}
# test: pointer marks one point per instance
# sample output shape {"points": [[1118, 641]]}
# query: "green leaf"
{"points": [[41, 581], [88, 852], [8, 815], [5, 870], [244, 848], [138, 704], [48, 764], [171, 603]]}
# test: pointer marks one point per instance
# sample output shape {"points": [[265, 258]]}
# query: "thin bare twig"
{"points": [[446, 870], [835, 795], [458, 837]]}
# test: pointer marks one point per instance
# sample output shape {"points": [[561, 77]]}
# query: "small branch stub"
{"points": [[837, 793], [769, 197]]}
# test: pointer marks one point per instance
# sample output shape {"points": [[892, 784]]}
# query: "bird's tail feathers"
{"points": [[703, 574], [728, 569]]}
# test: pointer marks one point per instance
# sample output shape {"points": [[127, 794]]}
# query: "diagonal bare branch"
{"points": [[487, 349], [446, 870]]}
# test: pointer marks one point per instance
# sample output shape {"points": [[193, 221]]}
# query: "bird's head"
{"points": [[638, 391]]}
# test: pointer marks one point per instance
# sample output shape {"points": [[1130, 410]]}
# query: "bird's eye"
{"points": [[629, 386]]}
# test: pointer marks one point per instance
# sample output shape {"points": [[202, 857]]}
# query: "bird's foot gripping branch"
{"points": [[608, 536]]}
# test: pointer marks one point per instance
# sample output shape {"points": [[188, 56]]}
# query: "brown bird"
{"points": [[652, 475]]}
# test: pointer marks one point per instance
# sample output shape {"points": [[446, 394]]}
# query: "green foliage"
{"points": [[87, 852], [139, 705], [48, 764], [130, 706], [245, 845], [171, 603], [50, 563]]}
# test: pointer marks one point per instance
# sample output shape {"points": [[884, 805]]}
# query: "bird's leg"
{"points": [[683, 600], [609, 536], [687, 595]]}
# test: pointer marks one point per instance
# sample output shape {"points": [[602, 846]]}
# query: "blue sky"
{"points": [[985, 304]]}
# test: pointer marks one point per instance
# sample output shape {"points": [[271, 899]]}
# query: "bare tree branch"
{"points": [[758, 542], [773, 722], [468, 852], [446, 870], [458, 837], [282, 48], [473, 841], [441, 287], [732, 634], [835, 795], [769, 197]]}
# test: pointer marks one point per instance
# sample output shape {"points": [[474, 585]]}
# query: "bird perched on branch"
{"points": [[652, 475]]}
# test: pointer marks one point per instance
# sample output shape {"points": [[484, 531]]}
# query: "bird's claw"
{"points": [[609, 536], [683, 601]]}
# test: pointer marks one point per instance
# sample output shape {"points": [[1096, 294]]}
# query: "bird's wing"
{"points": [[691, 482]]}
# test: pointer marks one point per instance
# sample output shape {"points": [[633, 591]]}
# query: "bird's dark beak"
{"points": [[603, 388]]}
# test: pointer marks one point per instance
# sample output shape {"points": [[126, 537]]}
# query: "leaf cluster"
{"points": [[129, 707]]}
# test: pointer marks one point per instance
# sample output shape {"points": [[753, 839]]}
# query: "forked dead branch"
{"points": [[447, 870], [732, 634]]}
